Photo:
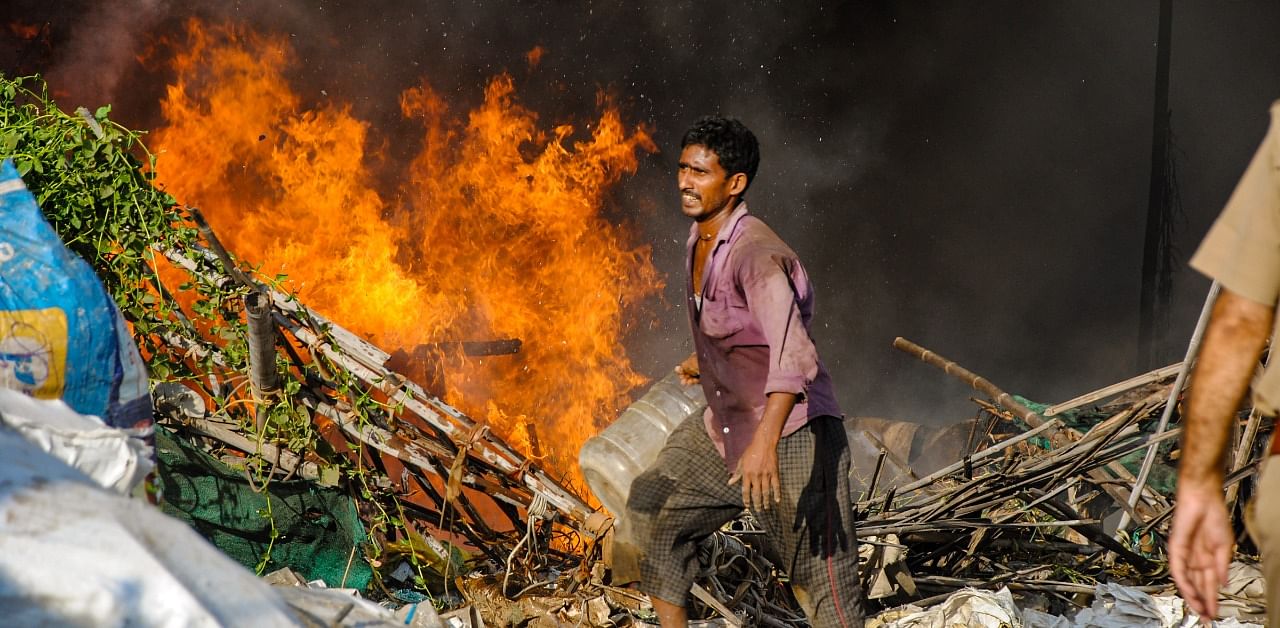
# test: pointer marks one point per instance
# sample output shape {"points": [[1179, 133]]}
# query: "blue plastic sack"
{"points": [[61, 335]]}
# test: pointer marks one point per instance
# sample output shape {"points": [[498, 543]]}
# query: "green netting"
{"points": [[1162, 477], [1079, 418], [317, 527]]}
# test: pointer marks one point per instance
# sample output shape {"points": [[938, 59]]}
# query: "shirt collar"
{"points": [[725, 230]]}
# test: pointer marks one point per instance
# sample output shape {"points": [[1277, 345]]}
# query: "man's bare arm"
{"points": [[1235, 338], [758, 466], [1201, 540]]}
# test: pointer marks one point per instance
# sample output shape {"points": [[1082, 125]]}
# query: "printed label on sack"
{"points": [[33, 351]]}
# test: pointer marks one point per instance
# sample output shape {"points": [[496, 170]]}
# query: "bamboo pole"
{"points": [[974, 380], [1114, 389], [1193, 347], [282, 458]]}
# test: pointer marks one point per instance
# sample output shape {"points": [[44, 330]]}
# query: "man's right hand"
{"points": [[688, 370], [1200, 546]]}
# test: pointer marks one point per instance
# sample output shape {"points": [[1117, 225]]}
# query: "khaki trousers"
{"points": [[1262, 519]]}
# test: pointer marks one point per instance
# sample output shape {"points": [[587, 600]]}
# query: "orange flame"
{"points": [[500, 234], [22, 30]]}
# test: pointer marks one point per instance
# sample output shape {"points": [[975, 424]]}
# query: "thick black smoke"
{"points": [[971, 176]]}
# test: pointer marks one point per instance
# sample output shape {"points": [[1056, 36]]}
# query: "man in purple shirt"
{"points": [[772, 423]]}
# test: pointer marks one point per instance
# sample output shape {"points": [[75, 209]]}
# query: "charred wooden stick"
{"points": [[974, 380], [875, 475], [1094, 533], [505, 346], [1038, 474], [884, 449], [1041, 545]]}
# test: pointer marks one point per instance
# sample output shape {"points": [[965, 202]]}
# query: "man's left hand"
{"points": [[1201, 544], [758, 471]]}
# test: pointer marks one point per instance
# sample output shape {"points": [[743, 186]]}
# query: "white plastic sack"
{"points": [[968, 608], [72, 553], [116, 458]]}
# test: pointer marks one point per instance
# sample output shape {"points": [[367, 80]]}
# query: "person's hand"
{"points": [[1200, 546], [688, 370], [758, 472]]}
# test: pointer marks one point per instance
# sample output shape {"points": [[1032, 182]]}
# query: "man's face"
{"points": [[706, 189]]}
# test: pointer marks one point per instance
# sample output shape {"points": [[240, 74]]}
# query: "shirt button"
{"points": [[717, 393], [726, 430]]}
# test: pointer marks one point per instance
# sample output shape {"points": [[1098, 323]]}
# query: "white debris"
{"points": [[72, 553], [968, 608], [1114, 606], [1118, 606], [116, 459]]}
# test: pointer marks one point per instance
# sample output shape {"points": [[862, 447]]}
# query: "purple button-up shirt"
{"points": [[751, 333]]}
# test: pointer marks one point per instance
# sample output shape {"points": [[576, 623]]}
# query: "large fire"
{"points": [[494, 233]]}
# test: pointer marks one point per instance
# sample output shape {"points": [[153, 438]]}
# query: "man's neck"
{"points": [[710, 226]]}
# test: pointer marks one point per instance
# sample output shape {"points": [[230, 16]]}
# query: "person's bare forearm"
{"points": [[777, 408], [1235, 338]]}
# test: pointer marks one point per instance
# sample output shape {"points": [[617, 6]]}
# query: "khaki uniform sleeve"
{"points": [[1242, 249]]}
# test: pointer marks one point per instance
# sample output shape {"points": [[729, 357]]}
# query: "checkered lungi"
{"points": [[686, 495]]}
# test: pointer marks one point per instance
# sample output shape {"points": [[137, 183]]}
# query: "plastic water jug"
{"points": [[614, 457]]}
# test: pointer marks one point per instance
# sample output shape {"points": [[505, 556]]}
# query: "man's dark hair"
{"points": [[730, 140]]}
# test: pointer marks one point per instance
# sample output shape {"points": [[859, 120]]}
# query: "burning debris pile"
{"points": [[245, 371]]}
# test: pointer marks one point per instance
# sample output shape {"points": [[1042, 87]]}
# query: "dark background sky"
{"points": [[970, 175]]}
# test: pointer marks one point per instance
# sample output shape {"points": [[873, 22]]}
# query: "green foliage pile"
{"points": [[93, 179]]}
